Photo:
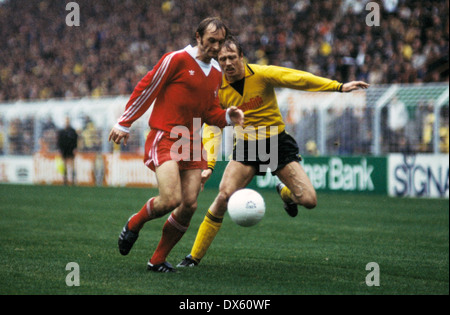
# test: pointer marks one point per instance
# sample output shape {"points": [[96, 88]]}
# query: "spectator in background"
{"points": [[397, 121], [67, 144], [91, 138], [306, 130], [49, 135], [28, 135], [444, 138], [428, 129], [15, 137], [2, 137], [311, 148], [348, 126]]}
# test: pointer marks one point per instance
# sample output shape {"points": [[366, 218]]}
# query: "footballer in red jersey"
{"points": [[184, 88]]}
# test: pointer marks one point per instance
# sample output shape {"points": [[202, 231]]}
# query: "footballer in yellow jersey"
{"points": [[251, 89], [254, 94]]}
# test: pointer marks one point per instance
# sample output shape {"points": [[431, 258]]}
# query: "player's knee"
{"points": [[223, 197], [309, 201], [222, 200], [190, 207], [170, 204], [185, 212]]}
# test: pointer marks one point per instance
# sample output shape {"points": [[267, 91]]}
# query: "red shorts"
{"points": [[160, 148]]}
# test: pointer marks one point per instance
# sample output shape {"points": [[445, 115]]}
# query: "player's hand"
{"points": [[236, 115], [117, 135], [354, 85], [206, 174]]}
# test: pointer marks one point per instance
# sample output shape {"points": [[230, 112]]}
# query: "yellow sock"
{"points": [[286, 194], [205, 235]]}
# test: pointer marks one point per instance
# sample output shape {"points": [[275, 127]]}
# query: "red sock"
{"points": [[172, 233], [145, 214]]}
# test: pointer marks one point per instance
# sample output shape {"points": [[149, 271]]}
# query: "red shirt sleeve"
{"points": [[146, 91], [216, 116]]}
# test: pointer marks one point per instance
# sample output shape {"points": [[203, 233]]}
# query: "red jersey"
{"points": [[184, 89]]}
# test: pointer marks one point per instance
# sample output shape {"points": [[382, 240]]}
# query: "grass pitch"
{"points": [[320, 252]]}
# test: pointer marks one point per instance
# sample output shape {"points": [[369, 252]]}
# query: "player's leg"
{"points": [[169, 184], [178, 222], [190, 186], [298, 189], [295, 187], [236, 176]]}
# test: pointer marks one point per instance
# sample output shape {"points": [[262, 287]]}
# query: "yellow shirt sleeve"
{"points": [[299, 80], [212, 140]]}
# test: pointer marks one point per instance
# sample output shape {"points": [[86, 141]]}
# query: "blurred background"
{"points": [[49, 71]]}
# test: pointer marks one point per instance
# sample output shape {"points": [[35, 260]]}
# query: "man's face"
{"points": [[210, 44], [232, 63]]}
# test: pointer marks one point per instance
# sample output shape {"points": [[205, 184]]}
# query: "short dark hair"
{"points": [[216, 21], [230, 40]]}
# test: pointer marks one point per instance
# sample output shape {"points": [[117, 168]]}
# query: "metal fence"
{"points": [[378, 121]]}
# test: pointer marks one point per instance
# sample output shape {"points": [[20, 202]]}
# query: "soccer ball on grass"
{"points": [[246, 207]]}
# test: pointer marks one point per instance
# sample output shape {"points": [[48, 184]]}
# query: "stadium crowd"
{"points": [[119, 41]]}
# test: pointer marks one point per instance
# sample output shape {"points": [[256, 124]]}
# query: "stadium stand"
{"points": [[119, 41]]}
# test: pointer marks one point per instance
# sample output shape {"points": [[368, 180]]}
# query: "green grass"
{"points": [[324, 251]]}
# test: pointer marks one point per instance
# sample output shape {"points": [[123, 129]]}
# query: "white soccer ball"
{"points": [[246, 207]]}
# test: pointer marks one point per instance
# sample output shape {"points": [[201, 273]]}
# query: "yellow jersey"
{"points": [[259, 103]]}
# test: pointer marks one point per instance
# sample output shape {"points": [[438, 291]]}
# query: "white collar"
{"points": [[206, 67]]}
